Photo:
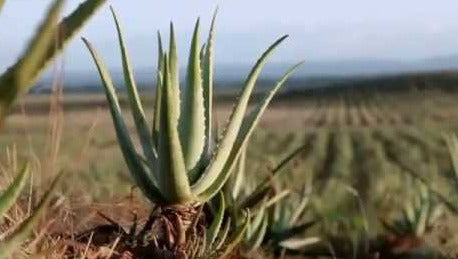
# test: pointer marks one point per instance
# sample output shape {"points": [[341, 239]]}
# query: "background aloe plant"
{"points": [[48, 41], [180, 163], [419, 214]]}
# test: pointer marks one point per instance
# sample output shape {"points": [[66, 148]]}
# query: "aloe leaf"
{"points": [[174, 70], [224, 233], [134, 99], [249, 124], [259, 236], [452, 143], [225, 146], [287, 233], [15, 239], [422, 219], [2, 3], [11, 194], [257, 221], [239, 175], [299, 210], [18, 77], [192, 124], [299, 243], [69, 26], [143, 178], [208, 71], [158, 95], [236, 237], [173, 178], [247, 127], [215, 226]]}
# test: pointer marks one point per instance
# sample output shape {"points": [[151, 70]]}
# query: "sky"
{"points": [[319, 30]]}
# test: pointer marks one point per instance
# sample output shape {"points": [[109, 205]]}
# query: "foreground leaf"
{"points": [[14, 240], [134, 99], [68, 27], [225, 146], [142, 178], [9, 197]]}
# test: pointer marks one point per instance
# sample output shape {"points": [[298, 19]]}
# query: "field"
{"points": [[384, 145]]}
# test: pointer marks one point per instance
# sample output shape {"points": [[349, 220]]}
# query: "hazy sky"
{"points": [[320, 30]]}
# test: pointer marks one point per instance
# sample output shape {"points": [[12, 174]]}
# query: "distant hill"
{"points": [[313, 74]]}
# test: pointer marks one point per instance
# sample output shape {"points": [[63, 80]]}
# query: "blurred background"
{"points": [[348, 38]]}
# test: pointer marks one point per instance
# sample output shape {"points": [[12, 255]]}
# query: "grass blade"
{"points": [[142, 178], [134, 99], [173, 178], [9, 197], [224, 148], [192, 124]]}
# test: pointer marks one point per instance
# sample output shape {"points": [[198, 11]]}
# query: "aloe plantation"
{"points": [[197, 158]]}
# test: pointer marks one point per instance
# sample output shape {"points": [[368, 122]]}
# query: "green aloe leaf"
{"points": [[18, 77], [256, 222], [231, 131], [158, 95], [224, 233], [11, 194], [134, 99], [258, 236], [192, 124], [2, 3], [290, 232], [173, 178], [424, 212], [236, 238], [14, 240], [174, 71], [301, 207], [299, 243], [142, 177], [208, 71], [239, 175], [68, 27], [247, 127], [452, 143], [215, 226]]}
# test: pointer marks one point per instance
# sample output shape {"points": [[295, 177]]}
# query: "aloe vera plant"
{"points": [[181, 167], [48, 41], [418, 215], [11, 242], [277, 218], [280, 225]]}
